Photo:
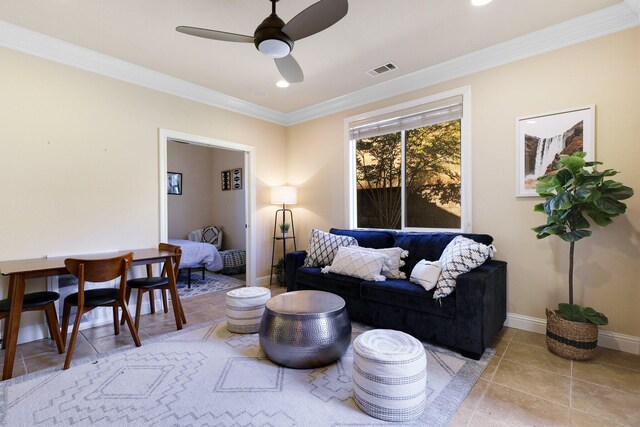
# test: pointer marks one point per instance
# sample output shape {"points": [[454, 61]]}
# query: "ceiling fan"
{"points": [[275, 39]]}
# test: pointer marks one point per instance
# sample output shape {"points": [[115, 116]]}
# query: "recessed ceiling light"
{"points": [[282, 83], [259, 94], [480, 2]]}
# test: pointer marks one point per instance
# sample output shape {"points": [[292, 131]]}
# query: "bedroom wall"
{"points": [[604, 72], [192, 209], [79, 160], [203, 202], [229, 206]]}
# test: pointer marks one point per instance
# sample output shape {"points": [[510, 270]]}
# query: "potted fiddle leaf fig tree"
{"points": [[575, 193]]}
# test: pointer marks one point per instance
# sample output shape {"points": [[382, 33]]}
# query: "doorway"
{"points": [[165, 136]]}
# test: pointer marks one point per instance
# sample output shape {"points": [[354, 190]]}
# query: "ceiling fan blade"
{"points": [[290, 69], [317, 17], [215, 35]]}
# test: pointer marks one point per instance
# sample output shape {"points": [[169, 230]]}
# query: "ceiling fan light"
{"points": [[274, 48]]}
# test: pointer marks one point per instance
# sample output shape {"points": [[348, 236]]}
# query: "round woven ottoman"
{"points": [[245, 307], [389, 375]]}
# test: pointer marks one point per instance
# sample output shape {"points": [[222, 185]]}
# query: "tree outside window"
{"points": [[432, 178]]}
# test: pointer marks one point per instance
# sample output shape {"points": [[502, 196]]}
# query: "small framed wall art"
{"points": [[225, 176], [541, 138], [174, 183], [236, 179]]}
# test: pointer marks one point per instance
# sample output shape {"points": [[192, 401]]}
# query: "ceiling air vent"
{"points": [[390, 66]]}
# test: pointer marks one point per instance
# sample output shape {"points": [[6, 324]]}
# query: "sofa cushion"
{"points": [[430, 246], [407, 295], [312, 278], [375, 239]]}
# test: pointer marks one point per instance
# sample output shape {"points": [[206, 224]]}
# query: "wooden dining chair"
{"points": [[150, 283], [97, 271], [36, 301]]}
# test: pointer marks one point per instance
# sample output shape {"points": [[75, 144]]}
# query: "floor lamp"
{"points": [[283, 195]]}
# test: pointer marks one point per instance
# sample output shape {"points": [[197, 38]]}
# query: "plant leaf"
{"points": [[572, 312], [574, 236], [621, 193], [595, 317], [599, 217], [610, 206], [574, 163]]}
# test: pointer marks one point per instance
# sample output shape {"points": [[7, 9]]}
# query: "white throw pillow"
{"points": [[323, 247], [460, 256], [353, 261], [392, 269], [426, 273]]}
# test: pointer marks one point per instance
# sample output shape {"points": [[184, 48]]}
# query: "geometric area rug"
{"points": [[212, 282], [207, 376]]}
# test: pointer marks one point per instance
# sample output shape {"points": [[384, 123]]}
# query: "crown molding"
{"points": [[609, 20], [593, 25], [634, 5], [40, 45]]}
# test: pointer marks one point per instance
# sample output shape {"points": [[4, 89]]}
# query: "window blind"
{"points": [[444, 110]]}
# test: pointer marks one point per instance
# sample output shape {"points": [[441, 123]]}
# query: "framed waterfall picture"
{"points": [[541, 139]]}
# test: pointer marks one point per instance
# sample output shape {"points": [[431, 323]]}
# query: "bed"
{"points": [[198, 255]]}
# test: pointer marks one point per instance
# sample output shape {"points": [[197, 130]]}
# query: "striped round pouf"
{"points": [[389, 375], [245, 307]]}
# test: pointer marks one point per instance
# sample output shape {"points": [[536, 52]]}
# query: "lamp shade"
{"points": [[284, 195]]}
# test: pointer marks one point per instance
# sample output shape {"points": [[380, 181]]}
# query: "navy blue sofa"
{"points": [[466, 320]]}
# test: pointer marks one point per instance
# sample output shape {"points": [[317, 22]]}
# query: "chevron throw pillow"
{"points": [[324, 246], [353, 261], [460, 256]]}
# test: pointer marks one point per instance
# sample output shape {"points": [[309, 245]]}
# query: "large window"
{"points": [[407, 166]]}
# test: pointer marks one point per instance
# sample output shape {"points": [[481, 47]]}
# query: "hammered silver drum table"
{"points": [[305, 329]]}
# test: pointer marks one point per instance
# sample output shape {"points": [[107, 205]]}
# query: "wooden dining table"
{"points": [[21, 270]]}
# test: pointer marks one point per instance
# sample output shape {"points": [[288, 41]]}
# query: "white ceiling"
{"points": [[413, 34]]}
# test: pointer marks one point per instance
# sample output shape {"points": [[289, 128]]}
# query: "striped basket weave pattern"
{"points": [[571, 340]]}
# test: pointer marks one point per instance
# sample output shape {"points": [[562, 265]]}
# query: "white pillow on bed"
{"points": [[353, 261]]}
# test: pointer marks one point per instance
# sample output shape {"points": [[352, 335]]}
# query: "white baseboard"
{"points": [[612, 340]]}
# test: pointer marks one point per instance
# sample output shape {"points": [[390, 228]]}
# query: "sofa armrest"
{"points": [[293, 261], [481, 305]]}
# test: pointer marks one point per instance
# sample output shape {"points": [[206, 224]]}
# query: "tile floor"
{"points": [[524, 385]]}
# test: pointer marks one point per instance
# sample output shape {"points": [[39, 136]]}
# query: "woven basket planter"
{"points": [[571, 340]]}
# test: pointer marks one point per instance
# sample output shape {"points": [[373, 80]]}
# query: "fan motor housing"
{"points": [[271, 29]]}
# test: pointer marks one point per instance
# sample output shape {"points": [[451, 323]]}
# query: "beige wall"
{"points": [[79, 159], [605, 72], [192, 209]]}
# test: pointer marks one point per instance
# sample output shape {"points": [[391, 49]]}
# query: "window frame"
{"points": [[465, 159]]}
